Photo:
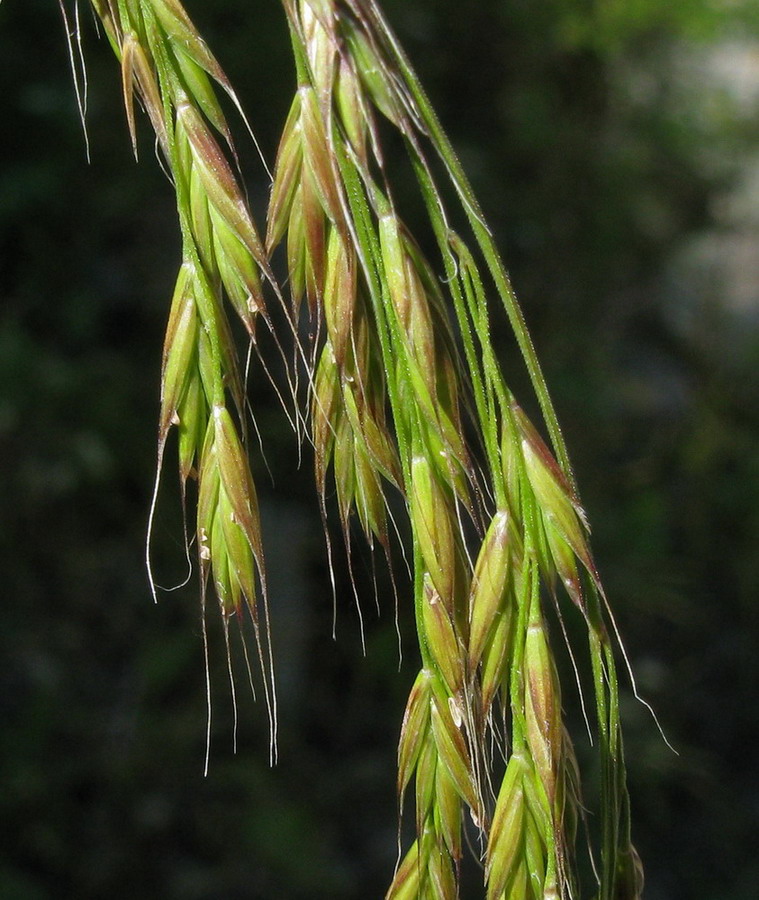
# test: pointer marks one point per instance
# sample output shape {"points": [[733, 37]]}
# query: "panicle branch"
{"points": [[439, 401], [168, 68]]}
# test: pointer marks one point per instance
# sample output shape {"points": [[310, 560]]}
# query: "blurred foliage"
{"points": [[605, 150]]}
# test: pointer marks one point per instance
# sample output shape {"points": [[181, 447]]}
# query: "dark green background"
{"points": [[609, 161]]}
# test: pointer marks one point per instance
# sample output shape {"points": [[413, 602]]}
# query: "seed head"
{"points": [[339, 295], [534, 856], [218, 180], [222, 579], [441, 874], [236, 479], [454, 754], [564, 560], [317, 17], [558, 504], [414, 729], [197, 85], [239, 553], [297, 258], [238, 271], [441, 638], [352, 109], [434, 528], [317, 157], [193, 418], [345, 468], [487, 598], [200, 214], [370, 499], [504, 853], [136, 69], [406, 884], [448, 812], [424, 785], [542, 703], [312, 249], [178, 352], [363, 398], [325, 413], [373, 72], [495, 670], [183, 34], [287, 177]]}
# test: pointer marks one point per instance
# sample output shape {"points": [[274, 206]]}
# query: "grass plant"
{"points": [[405, 397]]}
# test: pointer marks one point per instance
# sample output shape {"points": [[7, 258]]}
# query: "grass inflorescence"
{"points": [[169, 68], [406, 397]]}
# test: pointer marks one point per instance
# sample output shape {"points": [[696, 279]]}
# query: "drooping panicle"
{"points": [[169, 67]]}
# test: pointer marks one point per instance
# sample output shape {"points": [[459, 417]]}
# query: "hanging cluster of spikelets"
{"points": [[166, 63], [405, 395]]}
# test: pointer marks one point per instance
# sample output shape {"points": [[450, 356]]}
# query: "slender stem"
{"points": [[483, 235]]}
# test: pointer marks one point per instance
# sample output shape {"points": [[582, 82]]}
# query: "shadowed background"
{"points": [[616, 152]]}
